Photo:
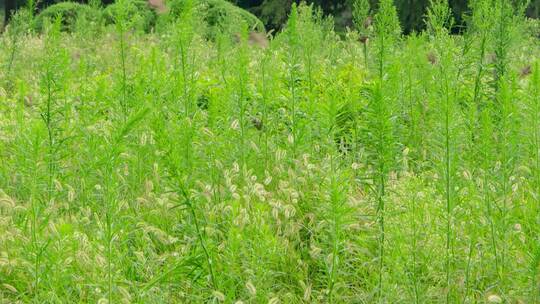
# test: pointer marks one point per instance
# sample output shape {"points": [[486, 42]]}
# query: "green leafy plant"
{"points": [[381, 125], [70, 13], [136, 14]]}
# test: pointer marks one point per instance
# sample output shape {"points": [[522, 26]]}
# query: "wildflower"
{"points": [[9, 287], [274, 300], [58, 185], [251, 288], [290, 138], [307, 293], [71, 194], [219, 296], [494, 299], [235, 124], [143, 139]]}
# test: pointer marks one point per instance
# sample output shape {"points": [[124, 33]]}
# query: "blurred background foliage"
{"points": [[274, 12], [411, 12]]}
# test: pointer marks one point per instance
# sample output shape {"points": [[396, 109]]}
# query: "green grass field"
{"points": [[184, 161]]}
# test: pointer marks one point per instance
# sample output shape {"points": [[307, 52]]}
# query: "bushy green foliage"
{"points": [[137, 13], [534, 27], [70, 13], [411, 12], [365, 167], [218, 14]]}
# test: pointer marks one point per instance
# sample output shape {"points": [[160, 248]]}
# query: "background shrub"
{"points": [[70, 12], [219, 14]]}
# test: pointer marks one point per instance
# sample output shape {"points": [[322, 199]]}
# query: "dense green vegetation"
{"points": [[411, 12], [189, 160], [274, 12]]}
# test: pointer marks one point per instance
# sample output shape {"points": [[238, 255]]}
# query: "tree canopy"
{"points": [[411, 12]]}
